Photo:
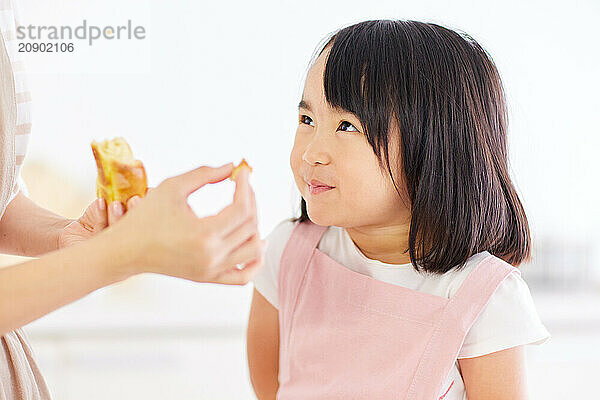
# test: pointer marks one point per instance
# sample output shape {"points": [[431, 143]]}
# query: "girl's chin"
{"points": [[321, 216]]}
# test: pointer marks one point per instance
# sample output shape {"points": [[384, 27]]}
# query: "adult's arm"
{"points": [[26, 229], [34, 288], [161, 234]]}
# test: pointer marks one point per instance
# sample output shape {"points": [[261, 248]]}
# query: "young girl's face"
{"points": [[335, 168]]}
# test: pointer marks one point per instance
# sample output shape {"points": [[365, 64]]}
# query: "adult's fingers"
{"points": [[242, 185], [95, 217], [98, 214], [239, 236], [190, 181], [246, 253], [252, 196], [132, 202], [115, 212], [236, 276], [240, 210], [243, 195]]}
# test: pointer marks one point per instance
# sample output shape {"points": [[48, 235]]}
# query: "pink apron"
{"points": [[345, 335]]}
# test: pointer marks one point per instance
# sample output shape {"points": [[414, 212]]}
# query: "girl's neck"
{"points": [[382, 243]]}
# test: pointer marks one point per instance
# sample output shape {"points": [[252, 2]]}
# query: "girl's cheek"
{"points": [[296, 154], [295, 159], [291, 160]]}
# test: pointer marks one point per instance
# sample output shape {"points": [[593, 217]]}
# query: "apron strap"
{"points": [[459, 315], [294, 262]]}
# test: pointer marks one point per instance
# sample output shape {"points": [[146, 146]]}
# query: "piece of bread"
{"points": [[120, 176], [236, 170]]}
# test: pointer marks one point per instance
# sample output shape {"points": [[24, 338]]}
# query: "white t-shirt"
{"points": [[509, 319]]}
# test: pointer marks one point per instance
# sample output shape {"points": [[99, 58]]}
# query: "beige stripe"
{"points": [[9, 35], [20, 160], [18, 66], [23, 129], [5, 5], [8, 118], [23, 97]]}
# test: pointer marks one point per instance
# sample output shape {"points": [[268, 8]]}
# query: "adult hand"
{"points": [[95, 218], [162, 234]]}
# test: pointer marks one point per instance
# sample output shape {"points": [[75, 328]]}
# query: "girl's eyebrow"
{"points": [[304, 104]]}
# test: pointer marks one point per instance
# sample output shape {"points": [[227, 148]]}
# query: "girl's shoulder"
{"points": [[510, 306], [509, 317], [456, 276], [448, 284]]}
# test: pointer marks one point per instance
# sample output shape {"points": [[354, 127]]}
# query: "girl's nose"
{"points": [[315, 154]]}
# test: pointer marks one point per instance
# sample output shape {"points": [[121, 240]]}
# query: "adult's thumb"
{"points": [[95, 216], [194, 179]]}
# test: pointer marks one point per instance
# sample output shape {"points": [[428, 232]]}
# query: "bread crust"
{"points": [[120, 177]]}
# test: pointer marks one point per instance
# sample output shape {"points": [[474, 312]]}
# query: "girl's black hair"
{"points": [[446, 97]]}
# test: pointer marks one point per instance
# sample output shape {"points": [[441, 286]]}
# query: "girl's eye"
{"points": [[305, 118], [347, 127]]}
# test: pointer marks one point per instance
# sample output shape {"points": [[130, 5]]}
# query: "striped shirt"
{"points": [[20, 376], [9, 20]]}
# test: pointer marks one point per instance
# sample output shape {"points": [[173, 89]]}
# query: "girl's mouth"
{"points": [[316, 187], [319, 189]]}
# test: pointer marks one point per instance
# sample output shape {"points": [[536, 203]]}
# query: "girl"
{"points": [[398, 279]]}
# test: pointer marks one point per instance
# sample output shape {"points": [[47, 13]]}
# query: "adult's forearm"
{"points": [[26, 229], [34, 288]]}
